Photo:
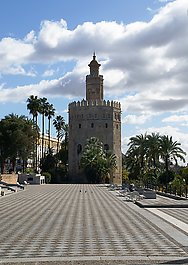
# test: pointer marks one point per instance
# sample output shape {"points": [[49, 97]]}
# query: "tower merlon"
{"points": [[85, 103]]}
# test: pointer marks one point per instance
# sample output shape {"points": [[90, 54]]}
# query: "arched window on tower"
{"points": [[92, 125], [79, 149], [106, 147]]}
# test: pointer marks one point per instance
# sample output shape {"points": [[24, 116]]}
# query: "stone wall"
{"points": [[9, 178], [94, 120]]}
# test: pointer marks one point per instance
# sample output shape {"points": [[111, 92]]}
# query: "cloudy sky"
{"points": [[142, 45]]}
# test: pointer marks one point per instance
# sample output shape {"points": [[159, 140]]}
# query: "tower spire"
{"points": [[94, 81]]}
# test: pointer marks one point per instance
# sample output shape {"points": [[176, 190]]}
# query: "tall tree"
{"points": [[153, 151], [138, 149], [59, 124], [43, 112], [33, 105], [16, 138], [66, 134], [170, 151], [145, 153], [97, 163], [50, 112]]}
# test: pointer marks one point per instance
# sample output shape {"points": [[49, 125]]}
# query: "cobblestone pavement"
{"points": [[82, 221], [180, 214], [163, 202]]}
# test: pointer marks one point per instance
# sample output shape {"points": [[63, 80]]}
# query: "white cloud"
{"points": [[176, 118], [49, 72], [30, 37], [144, 62], [53, 33], [136, 119], [22, 92], [13, 53]]}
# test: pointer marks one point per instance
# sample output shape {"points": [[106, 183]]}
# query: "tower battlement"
{"points": [[89, 103]]}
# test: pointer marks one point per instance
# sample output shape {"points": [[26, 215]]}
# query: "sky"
{"points": [[142, 46]]}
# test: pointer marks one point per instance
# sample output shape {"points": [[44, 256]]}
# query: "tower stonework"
{"points": [[94, 117]]}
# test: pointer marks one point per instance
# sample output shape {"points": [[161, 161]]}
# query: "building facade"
{"points": [[94, 117]]}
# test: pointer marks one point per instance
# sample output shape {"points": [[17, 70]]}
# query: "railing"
{"points": [[179, 192]]}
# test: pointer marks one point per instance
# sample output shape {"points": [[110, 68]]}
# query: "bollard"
{"points": [[2, 193]]}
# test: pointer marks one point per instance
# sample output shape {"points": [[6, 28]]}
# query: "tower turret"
{"points": [[94, 82]]}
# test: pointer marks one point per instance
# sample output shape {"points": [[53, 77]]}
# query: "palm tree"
{"points": [[170, 151], [92, 159], [111, 164], [145, 153], [66, 133], [33, 106], [59, 124], [43, 111], [96, 162], [50, 112], [138, 150], [153, 151]]}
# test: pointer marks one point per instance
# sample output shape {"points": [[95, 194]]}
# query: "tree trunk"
{"points": [[57, 144], [35, 153], [13, 164], [33, 156], [42, 136], [167, 171], [48, 135], [2, 166]]}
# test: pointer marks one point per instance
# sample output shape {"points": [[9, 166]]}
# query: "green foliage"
{"points": [[29, 170], [150, 156], [59, 124], [49, 113], [176, 182], [33, 105], [125, 175], [170, 151], [166, 177], [184, 175], [48, 163], [16, 137], [62, 156], [97, 163], [48, 177]]}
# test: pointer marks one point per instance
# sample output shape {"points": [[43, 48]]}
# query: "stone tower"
{"points": [[94, 117]]}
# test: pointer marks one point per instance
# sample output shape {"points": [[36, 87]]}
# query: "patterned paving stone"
{"points": [[180, 214], [61, 221]]}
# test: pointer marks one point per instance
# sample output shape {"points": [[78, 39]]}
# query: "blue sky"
{"points": [[142, 46]]}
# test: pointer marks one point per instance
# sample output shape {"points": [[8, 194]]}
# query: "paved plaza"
{"points": [[88, 224]]}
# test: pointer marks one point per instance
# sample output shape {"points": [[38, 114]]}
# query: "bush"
{"points": [[166, 177], [47, 176]]}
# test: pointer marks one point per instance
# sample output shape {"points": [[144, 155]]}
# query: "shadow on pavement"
{"points": [[182, 262]]}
